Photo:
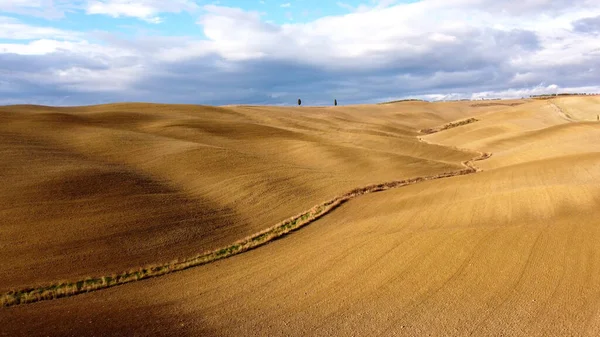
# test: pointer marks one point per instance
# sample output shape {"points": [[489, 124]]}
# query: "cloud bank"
{"points": [[432, 49]]}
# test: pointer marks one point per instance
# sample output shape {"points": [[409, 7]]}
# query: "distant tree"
{"points": [[335, 102], [299, 101]]}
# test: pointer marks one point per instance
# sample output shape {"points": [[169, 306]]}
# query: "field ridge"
{"points": [[71, 288], [449, 126]]}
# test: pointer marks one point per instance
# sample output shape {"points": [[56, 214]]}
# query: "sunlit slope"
{"points": [[103, 189], [510, 251], [512, 121], [561, 140], [533, 131], [582, 108]]}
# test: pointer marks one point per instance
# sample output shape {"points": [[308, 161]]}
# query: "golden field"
{"points": [[510, 250]]}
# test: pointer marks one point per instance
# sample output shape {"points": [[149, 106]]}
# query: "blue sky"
{"points": [[64, 52], [184, 22]]}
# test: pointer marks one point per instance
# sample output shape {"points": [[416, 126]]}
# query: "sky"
{"points": [[80, 52]]}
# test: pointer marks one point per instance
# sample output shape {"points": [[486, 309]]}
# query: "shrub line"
{"points": [[449, 126], [71, 288]]}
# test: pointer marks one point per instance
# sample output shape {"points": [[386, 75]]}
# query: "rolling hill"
{"points": [[511, 250]]}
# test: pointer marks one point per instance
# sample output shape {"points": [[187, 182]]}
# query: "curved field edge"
{"points": [[71, 288]]}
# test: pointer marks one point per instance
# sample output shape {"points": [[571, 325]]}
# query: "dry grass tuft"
{"points": [[449, 126], [70, 288]]}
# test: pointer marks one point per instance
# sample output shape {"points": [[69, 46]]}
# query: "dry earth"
{"points": [[513, 250]]}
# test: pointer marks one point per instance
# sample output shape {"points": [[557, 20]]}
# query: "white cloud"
{"points": [[147, 10], [87, 80], [62, 59], [37, 47], [14, 29], [402, 32], [436, 49], [51, 9], [364, 7]]}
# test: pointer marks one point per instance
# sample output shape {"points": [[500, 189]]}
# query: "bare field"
{"points": [[512, 250]]}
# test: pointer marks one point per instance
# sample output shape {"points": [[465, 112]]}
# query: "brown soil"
{"points": [[511, 250]]}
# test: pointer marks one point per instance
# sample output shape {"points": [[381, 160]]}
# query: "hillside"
{"points": [[511, 250]]}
